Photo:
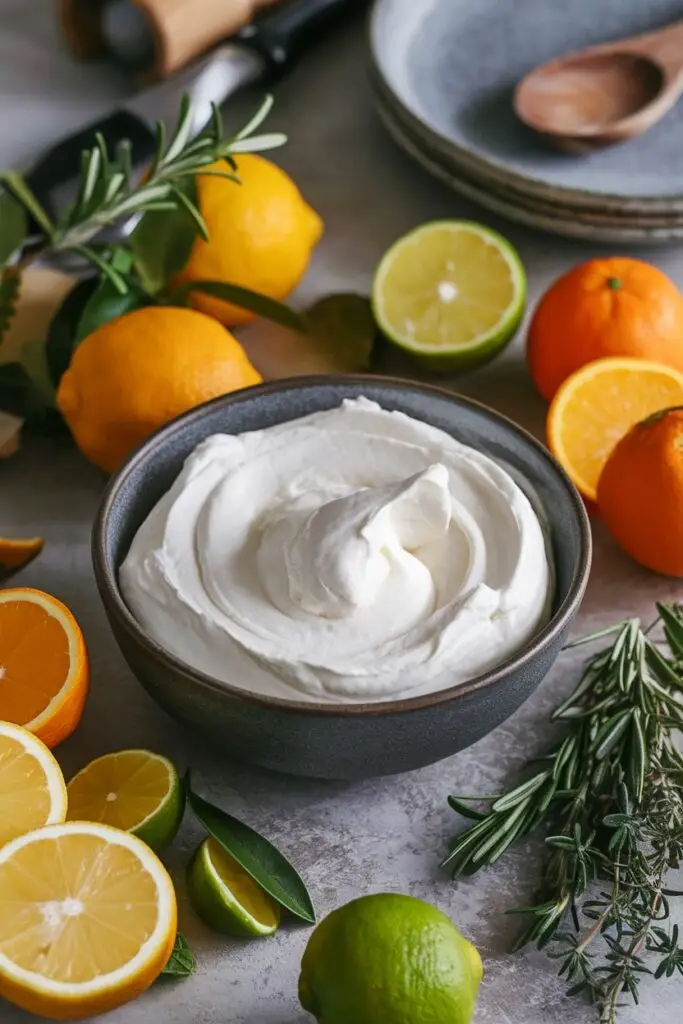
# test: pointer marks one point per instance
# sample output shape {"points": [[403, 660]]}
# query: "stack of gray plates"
{"points": [[444, 72]]}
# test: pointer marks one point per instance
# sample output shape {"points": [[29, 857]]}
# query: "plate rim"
{"points": [[495, 170]]}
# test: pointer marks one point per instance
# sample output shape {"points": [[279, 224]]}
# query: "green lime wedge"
{"points": [[452, 293], [227, 898], [134, 790]]}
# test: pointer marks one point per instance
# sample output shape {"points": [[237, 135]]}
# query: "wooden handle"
{"points": [[81, 27], [182, 29]]}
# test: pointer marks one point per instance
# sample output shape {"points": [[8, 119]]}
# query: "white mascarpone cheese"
{"points": [[351, 555]]}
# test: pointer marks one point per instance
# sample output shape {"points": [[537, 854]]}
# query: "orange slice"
{"points": [[598, 405], [16, 554], [32, 789], [87, 919], [43, 665]]}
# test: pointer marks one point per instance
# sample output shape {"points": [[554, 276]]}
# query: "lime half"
{"points": [[452, 293], [134, 790], [227, 898]]}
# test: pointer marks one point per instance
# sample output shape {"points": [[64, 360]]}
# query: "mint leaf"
{"points": [[181, 963]]}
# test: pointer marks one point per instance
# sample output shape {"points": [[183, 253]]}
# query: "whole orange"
{"points": [[640, 492], [606, 307], [261, 235], [134, 374]]}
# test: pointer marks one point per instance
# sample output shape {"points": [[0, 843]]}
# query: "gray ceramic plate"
{"points": [[452, 64], [527, 212]]}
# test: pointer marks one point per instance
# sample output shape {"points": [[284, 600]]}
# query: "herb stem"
{"points": [[613, 821]]}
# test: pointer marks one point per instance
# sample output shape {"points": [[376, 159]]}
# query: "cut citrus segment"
{"points": [[451, 292], [598, 405], [43, 665], [32, 790], [134, 790], [17, 554], [226, 897], [87, 919]]}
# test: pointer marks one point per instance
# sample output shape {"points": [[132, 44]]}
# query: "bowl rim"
{"points": [[112, 598]]}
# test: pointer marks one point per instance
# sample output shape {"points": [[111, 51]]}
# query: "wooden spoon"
{"points": [[604, 94]]}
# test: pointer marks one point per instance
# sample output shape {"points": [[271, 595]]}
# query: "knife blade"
{"points": [[266, 48]]}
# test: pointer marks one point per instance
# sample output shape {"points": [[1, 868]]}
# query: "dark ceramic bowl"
{"points": [[331, 740]]}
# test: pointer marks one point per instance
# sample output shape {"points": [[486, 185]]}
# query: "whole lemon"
{"points": [[134, 374], [261, 235], [389, 959]]}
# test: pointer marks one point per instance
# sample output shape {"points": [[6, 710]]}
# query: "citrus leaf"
{"points": [[61, 335], [343, 329], [107, 303], [10, 285], [263, 306], [162, 241], [181, 963], [267, 866], [13, 225], [18, 394]]}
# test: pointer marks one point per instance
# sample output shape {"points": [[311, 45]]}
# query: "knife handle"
{"points": [[61, 163], [279, 33]]}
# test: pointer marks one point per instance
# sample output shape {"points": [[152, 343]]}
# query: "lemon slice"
{"points": [[87, 919], [32, 790], [226, 897], [134, 790], [452, 293]]}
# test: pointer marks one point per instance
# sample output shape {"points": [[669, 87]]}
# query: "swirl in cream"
{"points": [[351, 555]]}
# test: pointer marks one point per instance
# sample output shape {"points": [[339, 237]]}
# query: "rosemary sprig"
{"points": [[108, 192], [610, 797]]}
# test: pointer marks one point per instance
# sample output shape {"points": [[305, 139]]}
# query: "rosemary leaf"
{"points": [[611, 808]]}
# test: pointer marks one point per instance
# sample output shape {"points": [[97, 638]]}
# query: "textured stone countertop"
{"points": [[346, 839]]}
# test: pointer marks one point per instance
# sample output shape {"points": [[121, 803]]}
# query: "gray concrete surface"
{"points": [[346, 839]]}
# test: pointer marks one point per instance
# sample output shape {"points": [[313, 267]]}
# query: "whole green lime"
{"points": [[389, 959]]}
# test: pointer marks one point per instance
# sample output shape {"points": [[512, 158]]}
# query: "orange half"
{"points": [[598, 405], [16, 554], [43, 665]]}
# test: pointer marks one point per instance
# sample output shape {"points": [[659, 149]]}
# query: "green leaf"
{"points": [[106, 268], [270, 309], [21, 191], [522, 792], [10, 286], [258, 118], [611, 733], [464, 810], [181, 963], [162, 242], [259, 858], [107, 303], [18, 394], [673, 627], [62, 332], [343, 330], [13, 226]]}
